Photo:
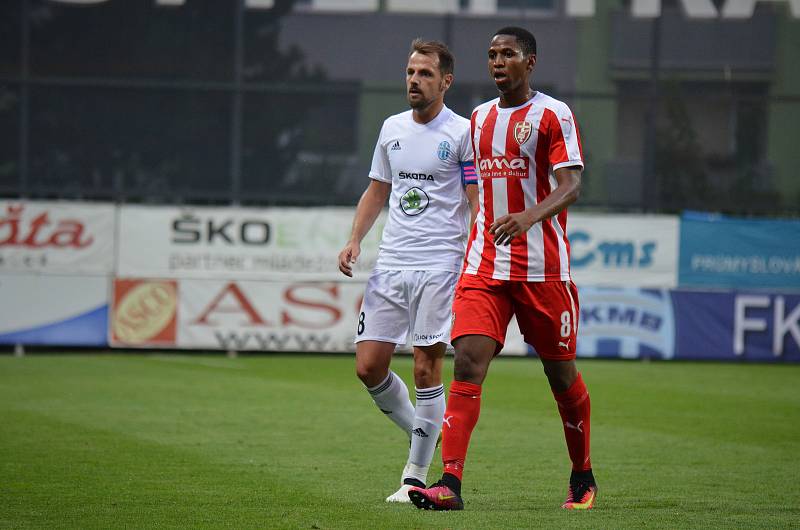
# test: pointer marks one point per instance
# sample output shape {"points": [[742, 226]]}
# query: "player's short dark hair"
{"points": [[526, 40], [434, 47]]}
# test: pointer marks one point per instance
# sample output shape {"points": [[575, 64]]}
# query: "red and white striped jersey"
{"points": [[517, 151]]}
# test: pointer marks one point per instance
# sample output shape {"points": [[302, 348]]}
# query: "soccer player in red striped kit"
{"points": [[528, 154]]}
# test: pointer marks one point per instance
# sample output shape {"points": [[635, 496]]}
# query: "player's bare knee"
{"points": [[423, 374], [428, 365], [560, 374], [371, 373], [466, 369]]}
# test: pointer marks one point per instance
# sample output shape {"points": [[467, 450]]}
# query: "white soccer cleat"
{"points": [[400, 495]]}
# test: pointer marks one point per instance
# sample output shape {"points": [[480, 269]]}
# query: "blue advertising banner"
{"points": [[753, 326], [739, 253], [626, 322], [632, 323]]}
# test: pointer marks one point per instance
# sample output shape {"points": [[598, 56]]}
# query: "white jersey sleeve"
{"points": [[465, 148], [466, 158], [380, 169]]}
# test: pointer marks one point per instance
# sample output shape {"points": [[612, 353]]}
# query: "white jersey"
{"points": [[428, 209]]}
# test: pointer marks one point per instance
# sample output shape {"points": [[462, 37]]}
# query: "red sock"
{"points": [[463, 409], [575, 409]]}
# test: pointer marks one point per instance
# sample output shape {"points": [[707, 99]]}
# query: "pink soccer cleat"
{"points": [[437, 497], [581, 495]]}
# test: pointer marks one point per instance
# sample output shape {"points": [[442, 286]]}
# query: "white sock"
{"points": [[391, 396], [425, 431]]}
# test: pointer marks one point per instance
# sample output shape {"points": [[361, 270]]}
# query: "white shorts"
{"points": [[398, 302]]}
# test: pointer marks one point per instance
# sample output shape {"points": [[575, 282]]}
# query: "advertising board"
{"points": [[56, 237], [623, 250], [739, 253], [53, 310], [239, 243]]}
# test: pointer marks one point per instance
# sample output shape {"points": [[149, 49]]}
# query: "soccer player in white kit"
{"points": [[423, 163]]}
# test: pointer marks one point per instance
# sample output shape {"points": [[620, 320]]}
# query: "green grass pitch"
{"points": [[201, 441]]}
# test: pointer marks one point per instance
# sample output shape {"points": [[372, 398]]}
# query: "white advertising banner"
{"points": [[288, 244], [56, 237], [243, 315], [271, 316], [52, 309], [268, 316], [240, 243], [624, 250]]}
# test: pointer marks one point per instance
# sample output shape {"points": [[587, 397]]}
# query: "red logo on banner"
{"points": [[144, 312], [41, 231], [232, 299]]}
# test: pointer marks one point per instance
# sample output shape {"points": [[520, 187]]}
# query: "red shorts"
{"points": [[547, 313]]}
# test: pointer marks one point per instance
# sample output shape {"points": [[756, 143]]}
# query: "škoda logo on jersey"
{"points": [[501, 167]]}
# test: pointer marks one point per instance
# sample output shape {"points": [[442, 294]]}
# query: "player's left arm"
{"points": [[569, 187]]}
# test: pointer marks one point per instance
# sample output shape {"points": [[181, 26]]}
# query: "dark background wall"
{"points": [[217, 102]]}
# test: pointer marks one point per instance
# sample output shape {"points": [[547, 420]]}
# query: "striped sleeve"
{"points": [[468, 174], [565, 144]]}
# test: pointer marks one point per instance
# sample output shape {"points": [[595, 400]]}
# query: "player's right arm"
{"points": [[469, 177], [368, 209], [474, 203]]}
